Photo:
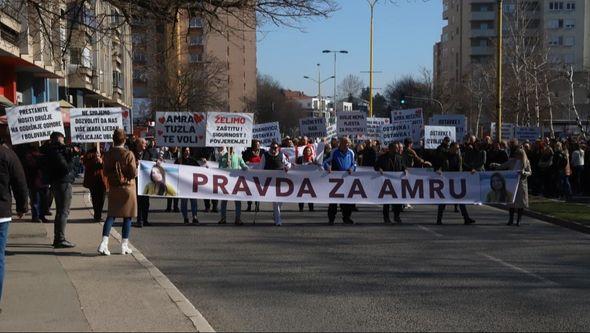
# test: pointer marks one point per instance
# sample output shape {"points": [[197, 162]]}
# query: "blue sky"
{"points": [[404, 36]]}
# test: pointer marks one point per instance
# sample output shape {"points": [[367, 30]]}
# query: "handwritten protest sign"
{"points": [[331, 131], [434, 135], [90, 125], [351, 123], [267, 133], [313, 127], [374, 127], [395, 132], [507, 131], [456, 120], [229, 129], [414, 116], [527, 133], [33, 123], [175, 129]]}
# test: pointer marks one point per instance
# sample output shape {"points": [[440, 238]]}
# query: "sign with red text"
{"points": [[34, 123], [88, 125], [415, 117], [229, 129], [351, 123], [302, 186], [180, 129]]}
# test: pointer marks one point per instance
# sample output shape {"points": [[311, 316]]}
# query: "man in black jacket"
{"points": [[12, 177], [61, 173], [391, 162]]}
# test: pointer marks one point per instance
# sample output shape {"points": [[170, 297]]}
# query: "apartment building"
{"points": [[191, 45]]}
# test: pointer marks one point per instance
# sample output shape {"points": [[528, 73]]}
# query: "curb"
{"points": [[551, 219], [184, 305]]}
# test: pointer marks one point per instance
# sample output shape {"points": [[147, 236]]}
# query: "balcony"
{"points": [[483, 33], [482, 50], [483, 16]]}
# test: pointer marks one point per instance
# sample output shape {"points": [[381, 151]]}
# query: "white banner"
{"points": [[313, 127], [180, 129], [456, 120], [395, 132], [298, 186], [331, 131], [507, 131], [415, 117], [434, 135], [34, 123], [89, 125], [351, 123], [229, 129], [527, 133], [266, 133], [374, 127]]}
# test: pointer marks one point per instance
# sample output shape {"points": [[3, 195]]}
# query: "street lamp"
{"points": [[319, 81], [499, 71], [372, 4], [335, 54]]}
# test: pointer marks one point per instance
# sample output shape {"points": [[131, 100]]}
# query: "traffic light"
{"points": [[402, 99]]}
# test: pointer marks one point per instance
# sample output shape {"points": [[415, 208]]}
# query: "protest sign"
{"points": [[331, 131], [527, 133], [34, 123], [415, 117], [456, 120], [351, 123], [180, 129], [229, 129], [507, 131], [396, 132], [88, 125], [313, 127], [266, 133], [434, 135], [374, 127], [126, 114], [302, 186]]}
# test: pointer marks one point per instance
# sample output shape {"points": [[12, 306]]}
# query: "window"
{"points": [[570, 23], [509, 8], [117, 79], [137, 39], [569, 41], [138, 57], [75, 56], [570, 6], [556, 5], [556, 40], [195, 22], [195, 57], [196, 40], [568, 59]]}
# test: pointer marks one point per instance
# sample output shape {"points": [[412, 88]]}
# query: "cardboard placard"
{"points": [[88, 125], [229, 129], [457, 120], [396, 132], [434, 135], [313, 127], [34, 123], [415, 117], [351, 123], [180, 129], [266, 133]]}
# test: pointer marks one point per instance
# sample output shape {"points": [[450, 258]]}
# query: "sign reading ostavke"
{"points": [[229, 129], [90, 125], [180, 129], [33, 123], [266, 133], [368, 187], [434, 135], [396, 132]]}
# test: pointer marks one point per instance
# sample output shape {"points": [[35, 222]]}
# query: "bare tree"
{"points": [[350, 86]]}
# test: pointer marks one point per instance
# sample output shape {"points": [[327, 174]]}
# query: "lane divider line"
{"points": [[430, 230], [519, 269]]}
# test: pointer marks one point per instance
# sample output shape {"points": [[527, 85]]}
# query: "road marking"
{"points": [[430, 230], [519, 269]]}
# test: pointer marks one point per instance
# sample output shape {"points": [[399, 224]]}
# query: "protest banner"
{"points": [[415, 117], [34, 123], [180, 129], [351, 123], [229, 129], [457, 120], [266, 133], [89, 125], [434, 135], [313, 127], [527, 133], [374, 128], [367, 187], [395, 132], [507, 131]]}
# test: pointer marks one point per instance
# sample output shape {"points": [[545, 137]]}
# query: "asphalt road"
{"points": [[308, 276]]}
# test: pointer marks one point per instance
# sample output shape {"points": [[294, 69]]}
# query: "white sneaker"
{"points": [[125, 248], [103, 249]]}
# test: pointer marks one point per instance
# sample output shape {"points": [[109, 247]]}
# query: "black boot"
{"points": [[511, 216], [519, 216]]}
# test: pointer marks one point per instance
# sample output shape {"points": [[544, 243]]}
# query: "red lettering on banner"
{"points": [[357, 189], [262, 190], [219, 119], [436, 186], [387, 189], [241, 186], [336, 187], [219, 182], [290, 185], [306, 188], [463, 192], [418, 188], [198, 180]]}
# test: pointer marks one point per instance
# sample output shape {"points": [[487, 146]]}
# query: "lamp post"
{"points": [[319, 81], [335, 55], [372, 4], [499, 60]]}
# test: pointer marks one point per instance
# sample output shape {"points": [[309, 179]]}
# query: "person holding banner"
{"points": [[95, 181], [306, 158], [410, 157], [143, 201], [518, 162], [187, 159], [120, 168], [202, 155], [252, 156], [341, 159], [232, 161], [391, 162], [275, 160], [172, 155]]}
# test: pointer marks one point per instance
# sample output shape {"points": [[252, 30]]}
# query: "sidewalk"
{"points": [[77, 290]]}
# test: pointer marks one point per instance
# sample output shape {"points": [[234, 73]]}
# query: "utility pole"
{"points": [[335, 82], [319, 82], [372, 4], [499, 61]]}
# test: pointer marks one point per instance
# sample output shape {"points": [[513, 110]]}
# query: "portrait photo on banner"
{"points": [[158, 179], [497, 187]]}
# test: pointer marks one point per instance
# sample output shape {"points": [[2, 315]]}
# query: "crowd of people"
{"points": [[42, 175]]}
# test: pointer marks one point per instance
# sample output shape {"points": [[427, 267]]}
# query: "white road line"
{"points": [[429, 230], [518, 269]]}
